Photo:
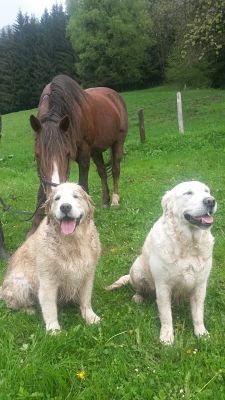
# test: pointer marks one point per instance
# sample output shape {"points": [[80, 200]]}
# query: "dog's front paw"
{"points": [[89, 315], [53, 328], [200, 331], [30, 310], [138, 298], [93, 319], [166, 335]]}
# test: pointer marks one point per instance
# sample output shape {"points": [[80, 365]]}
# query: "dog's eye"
{"points": [[75, 196], [188, 193], [57, 198]]}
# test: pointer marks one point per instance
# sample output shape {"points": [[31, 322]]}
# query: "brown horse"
{"points": [[77, 124]]}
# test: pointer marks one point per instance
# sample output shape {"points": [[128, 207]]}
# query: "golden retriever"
{"points": [[57, 262], [177, 255]]}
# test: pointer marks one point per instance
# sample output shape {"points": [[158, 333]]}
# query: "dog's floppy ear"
{"points": [[47, 206], [90, 203], [166, 202], [91, 206]]}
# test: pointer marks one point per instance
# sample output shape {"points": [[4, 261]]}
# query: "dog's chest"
{"points": [[75, 265], [71, 275], [188, 272], [182, 264], [70, 265]]}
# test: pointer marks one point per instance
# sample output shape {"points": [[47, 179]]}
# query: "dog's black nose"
{"points": [[209, 202], [66, 208]]}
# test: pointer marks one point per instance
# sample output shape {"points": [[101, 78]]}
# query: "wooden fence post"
{"points": [[179, 113], [141, 125]]}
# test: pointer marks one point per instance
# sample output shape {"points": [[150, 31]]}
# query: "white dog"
{"points": [[177, 255], [58, 261]]}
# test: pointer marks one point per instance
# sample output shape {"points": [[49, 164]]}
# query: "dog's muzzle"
{"points": [[65, 208], [205, 220], [210, 203], [68, 223]]}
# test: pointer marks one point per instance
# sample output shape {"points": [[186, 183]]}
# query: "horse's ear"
{"points": [[35, 124], [64, 123]]}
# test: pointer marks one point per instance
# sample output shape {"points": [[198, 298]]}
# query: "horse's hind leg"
{"points": [[117, 155], [99, 162]]}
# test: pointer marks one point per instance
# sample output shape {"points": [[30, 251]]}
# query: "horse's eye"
{"points": [[57, 198]]}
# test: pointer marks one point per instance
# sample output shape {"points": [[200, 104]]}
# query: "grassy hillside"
{"points": [[122, 358]]}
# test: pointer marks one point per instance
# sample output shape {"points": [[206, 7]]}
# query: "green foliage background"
{"points": [[106, 38], [32, 52], [121, 44]]}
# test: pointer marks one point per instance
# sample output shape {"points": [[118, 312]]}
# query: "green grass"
{"points": [[122, 357]]}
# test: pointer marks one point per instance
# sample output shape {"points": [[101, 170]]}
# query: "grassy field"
{"points": [[122, 358]]}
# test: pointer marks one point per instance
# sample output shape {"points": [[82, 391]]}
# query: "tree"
{"points": [[55, 43], [111, 39], [206, 29], [163, 14], [32, 53], [206, 37], [7, 70], [184, 65]]}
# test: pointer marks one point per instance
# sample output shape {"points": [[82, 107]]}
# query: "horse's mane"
{"points": [[65, 97]]}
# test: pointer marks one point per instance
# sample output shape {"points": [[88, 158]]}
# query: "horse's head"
{"points": [[52, 149]]}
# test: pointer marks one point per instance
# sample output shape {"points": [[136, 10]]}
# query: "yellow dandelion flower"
{"points": [[189, 351], [179, 326], [81, 375]]}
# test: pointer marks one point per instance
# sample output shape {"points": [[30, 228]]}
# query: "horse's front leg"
{"points": [[99, 162], [2, 248], [39, 214], [83, 161]]}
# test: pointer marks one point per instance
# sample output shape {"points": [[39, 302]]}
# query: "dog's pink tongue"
{"points": [[207, 219], [68, 226]]}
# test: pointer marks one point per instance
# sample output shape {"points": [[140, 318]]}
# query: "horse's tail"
{"points": [[122, 281], [108, 164]]}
